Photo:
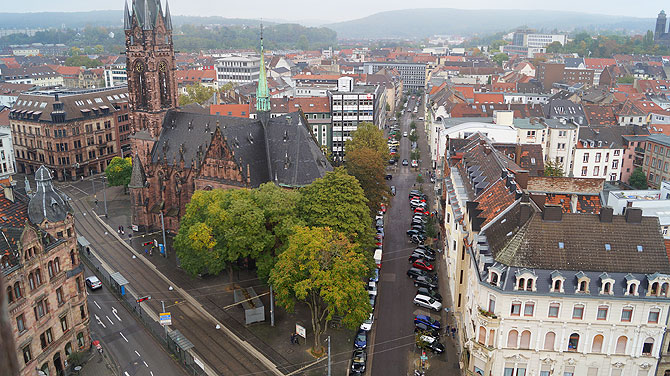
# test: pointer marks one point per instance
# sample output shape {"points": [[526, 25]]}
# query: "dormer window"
{"points": [[493, 278], [557, 281], [525, 280], [632, 285], [659, 285], [582, 283], [607, 284]]}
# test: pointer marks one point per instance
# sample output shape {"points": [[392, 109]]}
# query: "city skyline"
{"points": [[323, 13]]}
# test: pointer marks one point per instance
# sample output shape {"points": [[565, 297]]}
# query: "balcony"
{"points": [[639, 150], [488, 319]]}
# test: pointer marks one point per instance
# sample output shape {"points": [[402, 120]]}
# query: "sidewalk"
{"points": [[95, 365], [215, 293]]}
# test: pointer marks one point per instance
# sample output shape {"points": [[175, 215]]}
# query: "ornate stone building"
{"points": [[45, 281], [179, 150]]}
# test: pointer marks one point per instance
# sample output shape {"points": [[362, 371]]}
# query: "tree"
{"points": [[82, 61], [118, 171], [323, 269], [500, 58], [368, 135], [196, 93], [627, 79], [221, 227], [366, 166], [554, 47], [337, 201], [496, 44], [638, 179], [553, 168]]}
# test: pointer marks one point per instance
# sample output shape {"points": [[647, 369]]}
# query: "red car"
{"points": [[423, 265], [378, 243], [383, 208]]}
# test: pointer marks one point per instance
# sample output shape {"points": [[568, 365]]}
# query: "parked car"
{"points": [[375, 276], [361, 339], [432, 344], [93, 282], [415, 163], [411, 233], [358, 360], [427, 302], [404, 134], [425, 251], [393, 190], [391, 161], [405, 162], [372, 288], [432, 293], [423, 265], [367, 324], [427, 248], [388, 177], [418, 239], [425, 281], [415, 273], [419, 256], [373, 300], [426, 329], [427, 320], [420, 118]]}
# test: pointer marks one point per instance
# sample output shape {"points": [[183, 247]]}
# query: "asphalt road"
{"points": [[135, 351], [217, 349], [393, 351]]}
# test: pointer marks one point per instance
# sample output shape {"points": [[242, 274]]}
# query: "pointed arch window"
{"points": [[140, 84], [164, 84]]}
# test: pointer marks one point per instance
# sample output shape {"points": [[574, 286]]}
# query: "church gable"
{"points": [[219, 163]]}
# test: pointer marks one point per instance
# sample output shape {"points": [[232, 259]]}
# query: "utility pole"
{"points": [[164, 326], [104, 193], [272, 308], [163, 228], [329, 370]]}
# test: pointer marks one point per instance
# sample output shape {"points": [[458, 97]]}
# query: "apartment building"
{"points": [[46, 293], [413, 75], [238, 68], [599, 153], [561, 142], [657, 160], [537, 291], [350, 106], [7, 163], [74, 133]]}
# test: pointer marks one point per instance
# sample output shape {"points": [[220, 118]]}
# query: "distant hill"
{"points": [[421, 23], [112, 18]]}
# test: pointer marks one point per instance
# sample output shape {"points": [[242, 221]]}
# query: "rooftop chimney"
{"points": [[552, 213], [633, 215], [606, 214]]}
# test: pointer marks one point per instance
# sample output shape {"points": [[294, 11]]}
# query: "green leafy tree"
{"points": [[553, 168], [82, 61], [627, 79], [368, 135], [118, 171], [196, 93], [638, 179], [555, 47], [368, 168], [500, 58], [338, 201], [324, 270], [219, 228]]}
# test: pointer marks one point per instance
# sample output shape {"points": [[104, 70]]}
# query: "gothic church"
{"points": [[180, 150]]}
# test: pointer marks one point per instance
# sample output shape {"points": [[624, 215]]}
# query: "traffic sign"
{"points": [[165, 318]]}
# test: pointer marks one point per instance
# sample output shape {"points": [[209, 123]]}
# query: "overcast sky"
{"points": [[340, 10]]}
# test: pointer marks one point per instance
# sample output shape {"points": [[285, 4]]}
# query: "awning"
{"points": [[82, 241], [119, 279], [180, 340]]}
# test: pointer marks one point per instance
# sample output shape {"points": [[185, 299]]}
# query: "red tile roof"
{"points": [[13, 214], [235, 110], [316, 76], [594, 63], [600, 115], [489, 98], [467, 91], [588, 204], [193, 75]]}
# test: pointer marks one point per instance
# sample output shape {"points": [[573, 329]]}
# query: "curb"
{"points": [[244, 344]]}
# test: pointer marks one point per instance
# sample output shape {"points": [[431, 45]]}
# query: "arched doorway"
{"points": [[58, 364], [45, 369]]}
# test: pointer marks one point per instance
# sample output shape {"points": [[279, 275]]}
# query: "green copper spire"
{"points": [[262, 92]]}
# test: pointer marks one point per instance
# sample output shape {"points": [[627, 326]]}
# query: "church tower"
{"points": [[661, 21], [262, 92], [150, 65]]}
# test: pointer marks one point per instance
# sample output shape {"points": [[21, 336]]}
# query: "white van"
{"points": [[378, 257]]}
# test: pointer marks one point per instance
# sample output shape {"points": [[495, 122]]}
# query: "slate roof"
{"points": [[294, 157], [46, 203], [584, 237]]}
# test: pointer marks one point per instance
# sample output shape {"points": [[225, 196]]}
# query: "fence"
{"points": [[129, 300]]}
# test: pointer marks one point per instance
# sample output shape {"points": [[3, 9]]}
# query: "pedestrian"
{"points": [[448, 328], [297, 339], [292, 338], [96, 202]]}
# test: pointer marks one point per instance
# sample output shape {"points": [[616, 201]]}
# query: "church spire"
{"points": [[168, 18], [262, 92], [126, 17]]}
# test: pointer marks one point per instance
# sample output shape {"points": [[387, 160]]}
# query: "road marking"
{"points": [[100, 321], [124, 337], [114, 312], [110, 320], [96, 304], [151, 373], [138, 354], [145, 363], [126, 373]]}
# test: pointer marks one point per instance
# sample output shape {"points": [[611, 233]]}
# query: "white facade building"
{"points": [[115, 76], [561, 141], [7, 162], [351, 107], [239, 69]]}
